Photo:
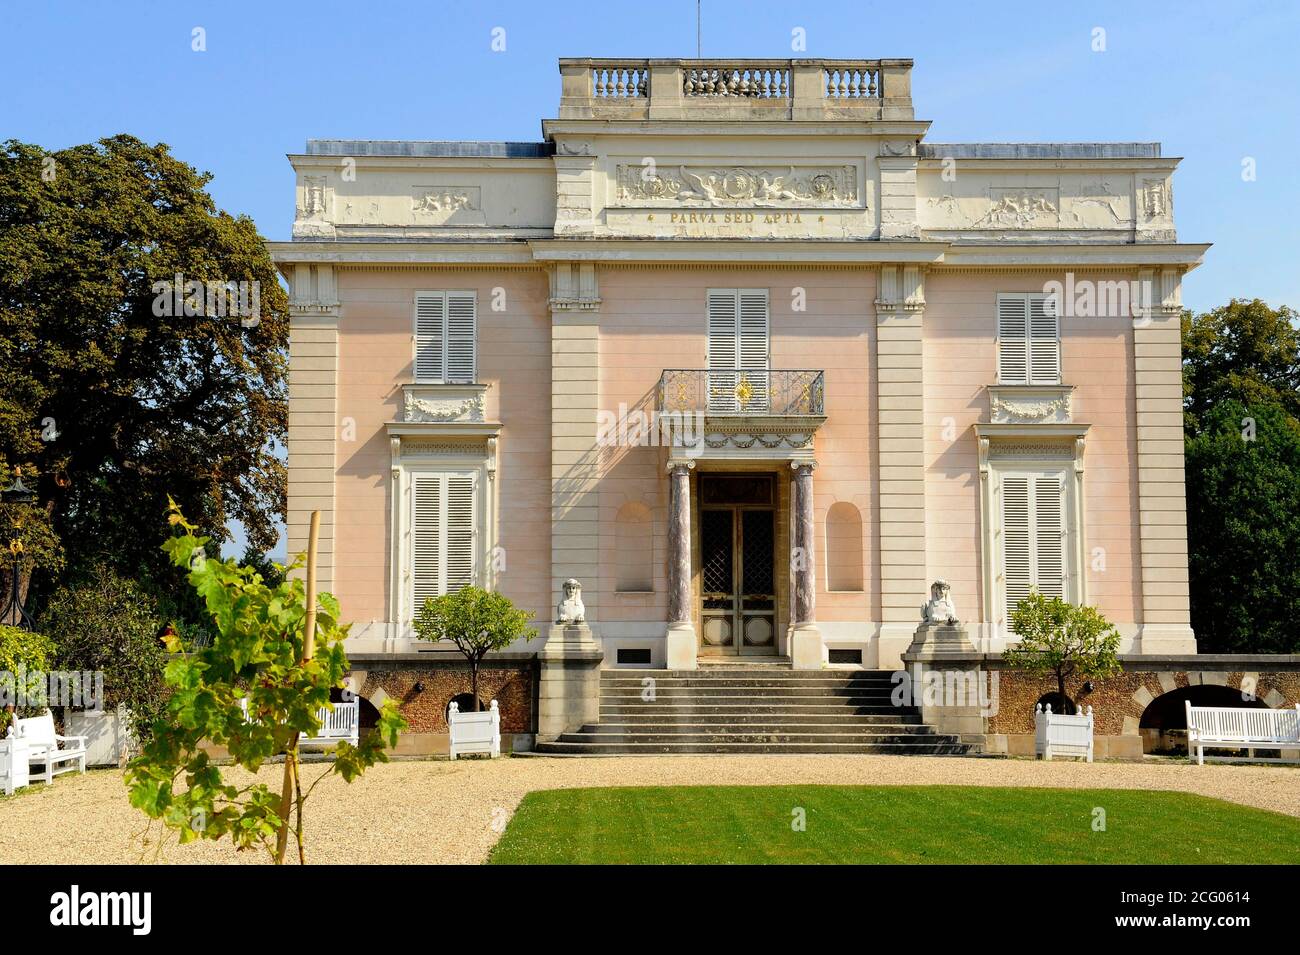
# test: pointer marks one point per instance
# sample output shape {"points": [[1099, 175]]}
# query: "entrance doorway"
{"points": [[737, 565]]}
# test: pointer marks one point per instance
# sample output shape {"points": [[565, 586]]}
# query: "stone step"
{"points": [[715, 673], [755, 692], [651, 749], [752, 734], [772, 737], [713, 715], [704, 682], [844, 718]]}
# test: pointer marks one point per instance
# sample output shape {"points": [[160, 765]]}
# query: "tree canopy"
{"points": [[128, 368], [1241, 380]]}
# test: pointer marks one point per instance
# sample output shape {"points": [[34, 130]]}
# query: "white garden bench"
{"points": [[337, 725], [1248, 728], [57, 754], [343, 723]]}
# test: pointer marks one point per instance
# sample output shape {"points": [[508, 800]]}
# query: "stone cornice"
{"points": [[587, 128], [615, 251], [542, 164], [1165, 163], [1075, 255], [735, 251]]}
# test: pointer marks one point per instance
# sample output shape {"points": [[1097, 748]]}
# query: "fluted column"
{"points": [[682, 641], [805, 639]]}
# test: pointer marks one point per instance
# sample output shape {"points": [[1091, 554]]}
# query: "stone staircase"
{"points": [[752, 708]]}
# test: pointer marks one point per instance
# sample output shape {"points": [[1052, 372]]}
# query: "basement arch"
{"points": [[1164, 721]]}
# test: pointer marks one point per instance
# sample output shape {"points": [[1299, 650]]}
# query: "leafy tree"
{"points": [[1243, 350], [255, 690], [110, 396], [1243, 527], [1063, 639], [25, 532], [108, 624], [26, 653], [477, 621]]}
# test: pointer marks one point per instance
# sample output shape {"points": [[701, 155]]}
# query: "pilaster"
{"points": [[313, 411], [1162, 497], [900, 304], [575, 459]]}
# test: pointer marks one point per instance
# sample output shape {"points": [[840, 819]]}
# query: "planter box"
{"points": [[1056, 734], [475, 732], [14, 769], [108, 735]]}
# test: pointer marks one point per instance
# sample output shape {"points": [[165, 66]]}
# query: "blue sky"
{"points": [[1215, 83]]}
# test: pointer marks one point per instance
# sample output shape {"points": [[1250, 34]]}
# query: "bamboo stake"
{"points": [[308, 649]]}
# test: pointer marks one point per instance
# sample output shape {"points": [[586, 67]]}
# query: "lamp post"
{"points": [[17, 493]]}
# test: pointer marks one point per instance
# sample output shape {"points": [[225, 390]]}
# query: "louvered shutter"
{"points": [[461, 336], [1044, 342], [1013, 339], [460, 532], [752, 346], [443, 533], [426, 538], [724, 356], [1049, 546], [1017, 543], [430, 335]]}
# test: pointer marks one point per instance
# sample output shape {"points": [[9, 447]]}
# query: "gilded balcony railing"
{"points": [[742, 391]]}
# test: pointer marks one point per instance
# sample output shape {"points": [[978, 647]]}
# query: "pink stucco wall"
{"points": [[375, 331], [654, 318], [960, 359]]}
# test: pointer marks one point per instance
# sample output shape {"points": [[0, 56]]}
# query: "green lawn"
{"points": [[888, 824]]}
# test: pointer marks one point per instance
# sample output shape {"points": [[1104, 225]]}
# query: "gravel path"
{"points": [[444, 812]]}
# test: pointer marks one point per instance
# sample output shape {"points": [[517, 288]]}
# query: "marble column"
{"points": [[806, 649], [682, 641]]}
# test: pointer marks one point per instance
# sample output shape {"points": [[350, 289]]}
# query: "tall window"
{"points": [[445, 336], [738, 339], [1029, 343], [442, 533], [1034, 533]]}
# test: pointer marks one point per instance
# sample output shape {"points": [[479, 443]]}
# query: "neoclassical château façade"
{"points": [[739, 350]]}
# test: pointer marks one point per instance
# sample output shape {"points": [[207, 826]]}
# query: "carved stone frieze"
{"points": [[1022, 208], [418, 408], [738, 186]]}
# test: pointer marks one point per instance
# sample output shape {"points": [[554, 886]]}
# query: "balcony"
{"points": [[742, 391], [737, 89], [737, 413]]}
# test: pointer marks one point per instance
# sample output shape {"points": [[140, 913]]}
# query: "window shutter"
{"points": [[723, 355], [443, 533], [1044, 342], [752, 346], [1017, 559], [1049, 536], [1013, 339], [426, 538], [430, 335], [461, 336], [460, 532]]}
